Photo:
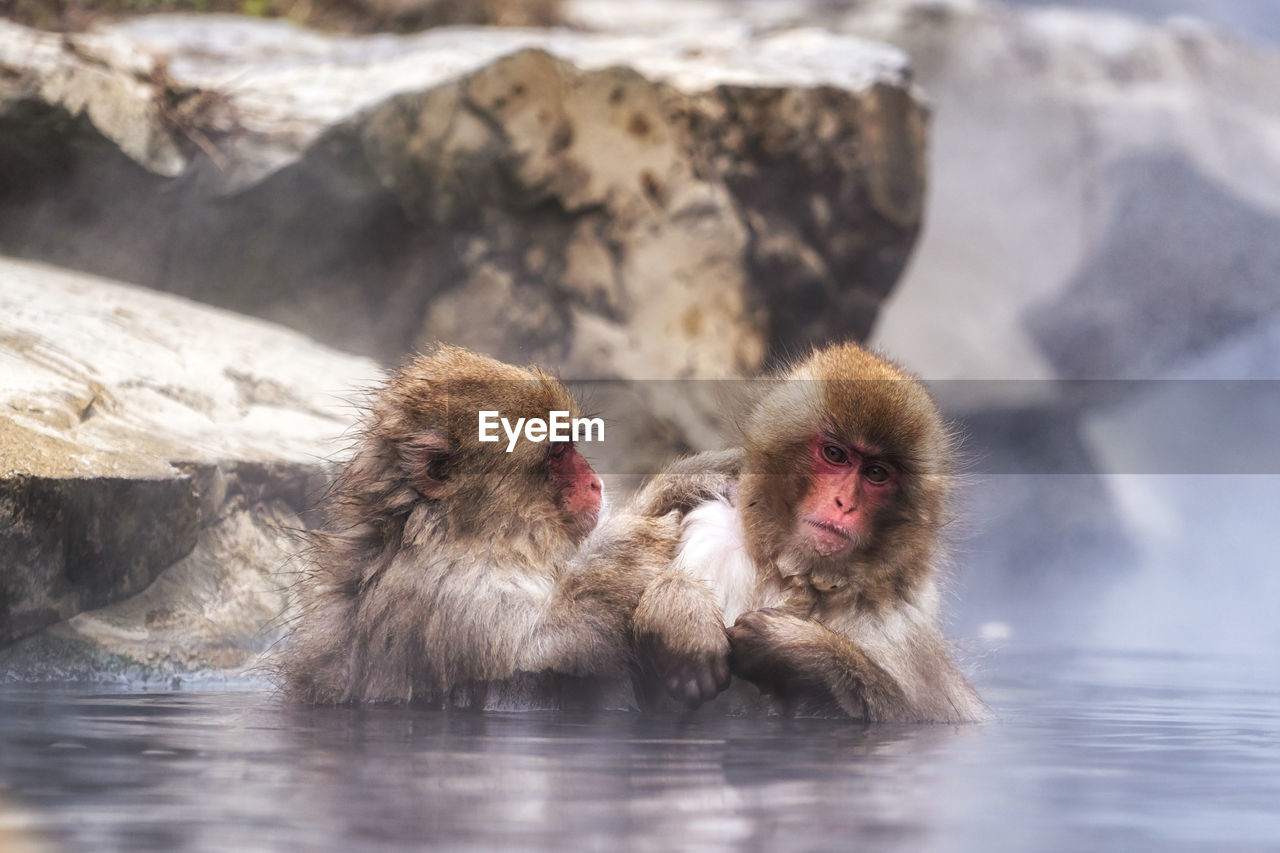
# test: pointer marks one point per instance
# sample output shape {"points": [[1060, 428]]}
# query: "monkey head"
{"points": [[423, 445], [845, 456]]}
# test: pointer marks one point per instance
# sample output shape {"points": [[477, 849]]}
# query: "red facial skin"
{"points": [[581, 491], [848, 487]]}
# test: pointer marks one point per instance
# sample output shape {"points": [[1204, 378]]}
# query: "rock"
{"points": [[664, 206], [1191, 264], [99, 92], [404, 15], [341, 16], [154, 456], [1074, 151], [1077, 157]]}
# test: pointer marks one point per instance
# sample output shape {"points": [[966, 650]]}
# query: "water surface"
{"points": [[1091, 752]]}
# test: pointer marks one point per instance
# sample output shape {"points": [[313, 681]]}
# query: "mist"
{"points": [[1255, 20], [1099, 253]]}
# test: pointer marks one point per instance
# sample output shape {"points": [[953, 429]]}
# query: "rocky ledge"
{"points": [[619, 206], [155, 456]]}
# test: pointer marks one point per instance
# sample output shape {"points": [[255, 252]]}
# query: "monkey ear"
{"points": [[426, 458]]}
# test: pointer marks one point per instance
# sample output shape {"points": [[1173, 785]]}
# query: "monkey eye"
{"points": [[835, 455], [559, 448], [876, 473]]}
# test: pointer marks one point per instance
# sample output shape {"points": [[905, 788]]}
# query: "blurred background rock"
{"points": [[1014, 201], [359, 16]]}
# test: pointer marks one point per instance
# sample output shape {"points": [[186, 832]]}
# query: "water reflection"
{"points": [[1090, 750]]}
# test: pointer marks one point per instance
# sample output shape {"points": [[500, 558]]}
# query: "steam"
{"points": [[1258, 20]]}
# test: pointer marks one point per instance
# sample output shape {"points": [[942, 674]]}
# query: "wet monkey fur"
{"points": [[448, 564], [817, 543]]}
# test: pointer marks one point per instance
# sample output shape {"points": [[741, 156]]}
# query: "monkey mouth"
{"points": [[832, 538], [583, 523]]}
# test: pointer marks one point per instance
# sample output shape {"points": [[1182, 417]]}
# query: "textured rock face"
{"points": [[73, 544], [335, 15], [1107, 187], [1183, 259], [154, 455], [1102, 189], [656, 206], [401, 15]]}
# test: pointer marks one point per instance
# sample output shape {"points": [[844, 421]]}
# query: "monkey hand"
{"points": [[681, 644], [783, 655], [691, 672]]}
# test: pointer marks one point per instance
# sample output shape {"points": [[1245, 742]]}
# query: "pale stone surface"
{"points": [[102, 78], [639, 206], [1104, 188], [154, 453]]}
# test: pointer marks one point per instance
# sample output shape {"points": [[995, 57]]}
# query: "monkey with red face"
{"points": [[448, 565], [817, 543]]}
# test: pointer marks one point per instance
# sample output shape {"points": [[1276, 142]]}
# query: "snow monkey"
{"points": [[816, 542], [447, 563]]}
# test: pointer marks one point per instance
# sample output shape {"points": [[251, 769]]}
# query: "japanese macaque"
{"points": [[447, 565], [817, 544]]}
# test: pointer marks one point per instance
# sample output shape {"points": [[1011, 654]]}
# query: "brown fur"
{"points": [[691, 663], [447, 564], [858, 630]]}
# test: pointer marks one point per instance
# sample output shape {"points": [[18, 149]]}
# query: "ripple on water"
{"points": [[1091, 749]]}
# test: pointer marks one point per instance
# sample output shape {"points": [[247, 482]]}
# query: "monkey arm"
{"points": [[688, 482], [626, 608], [680, 640], [797, 659], [586, 626]]}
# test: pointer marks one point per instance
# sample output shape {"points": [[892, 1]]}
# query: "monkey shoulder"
{"points": [[629, 534], [686, 483], [710, 462]]}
